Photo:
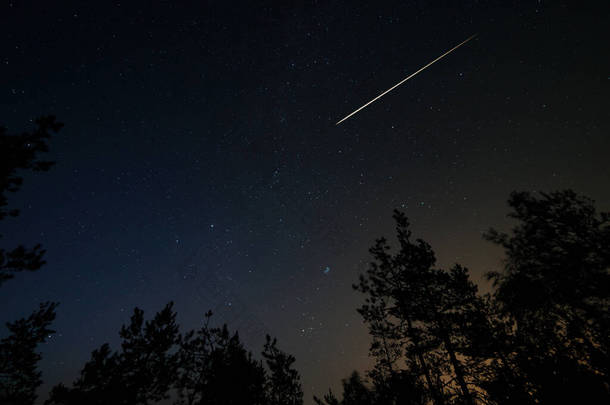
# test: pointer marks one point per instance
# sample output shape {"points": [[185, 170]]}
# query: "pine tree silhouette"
{"points": [[20, 152]]}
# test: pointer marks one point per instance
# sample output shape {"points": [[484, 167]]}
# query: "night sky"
{"points": [[200, 161]]}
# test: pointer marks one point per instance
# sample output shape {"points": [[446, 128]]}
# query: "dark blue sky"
{"points": [[200, 161]]}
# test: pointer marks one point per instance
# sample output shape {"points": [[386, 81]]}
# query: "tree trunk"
{"points": [[457, 368], [438, 398]]}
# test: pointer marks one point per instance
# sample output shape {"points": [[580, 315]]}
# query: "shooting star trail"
{"points": [[407, 78]]}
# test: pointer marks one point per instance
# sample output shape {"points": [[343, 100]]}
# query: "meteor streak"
{"points": [[407, 78]]}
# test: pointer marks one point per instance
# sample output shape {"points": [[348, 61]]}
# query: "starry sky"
{"points": [[200, 161]]}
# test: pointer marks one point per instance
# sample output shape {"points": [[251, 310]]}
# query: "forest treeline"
{"points": [[540, 337]]}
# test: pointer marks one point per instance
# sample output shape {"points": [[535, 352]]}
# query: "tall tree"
{"points": [[19, 376], [555, 285], [148, 355], [419, 315], [541, 336], [283, 384], [20, 152]]}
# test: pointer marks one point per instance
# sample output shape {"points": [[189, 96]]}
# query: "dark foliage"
{"points": [[209, 366], [555, 289], [420, 317], [20, 152], [19, 377], [283, 386], [540, 338], [216, 369], [141, 373]]}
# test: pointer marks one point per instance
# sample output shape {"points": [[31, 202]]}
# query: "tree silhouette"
{"points": [[490, 340], [216, 369], [555, 287], [283, 386], [542, 336], [419, 316], [141, 373], [20, 152], [209, 366], [355, 392], [19, 377]]}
